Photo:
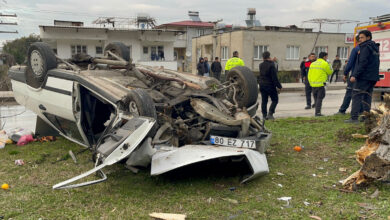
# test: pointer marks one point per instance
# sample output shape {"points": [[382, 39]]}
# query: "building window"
{"points": [[99, 50], [146, 50], [78, 49], [224, 53], [55, 50], [318, 50], [258, 52], [292, 53], [157, 53], [200, 32], [342, 52]]}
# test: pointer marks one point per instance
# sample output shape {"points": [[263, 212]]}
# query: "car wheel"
{"points": [[118, 49], [246, 90], [141, 104], [40, 59]]}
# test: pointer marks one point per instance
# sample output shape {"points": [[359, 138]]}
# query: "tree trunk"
{"points": [[374, 156]]}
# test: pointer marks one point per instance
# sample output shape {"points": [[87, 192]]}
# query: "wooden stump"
{"points": [[374, 156]]}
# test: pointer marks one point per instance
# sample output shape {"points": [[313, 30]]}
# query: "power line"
{"points": [[8, 23]]}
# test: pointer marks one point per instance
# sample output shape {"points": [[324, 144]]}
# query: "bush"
{"points": [[18, 48], [289, 76]]}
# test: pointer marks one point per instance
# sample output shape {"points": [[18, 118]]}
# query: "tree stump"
{"points": [[374, 156]]}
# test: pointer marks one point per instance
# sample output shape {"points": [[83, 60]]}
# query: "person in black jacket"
{"points": [[216, 68], [302, 68], [200, 67], [269, 85], [365, 75], [308, 89], [336, 66]]}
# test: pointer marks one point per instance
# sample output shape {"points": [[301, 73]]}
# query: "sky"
{"points": [[31, 14]]}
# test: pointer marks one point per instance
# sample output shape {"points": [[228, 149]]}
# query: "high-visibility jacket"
{"points": [[233, 62], [319, 72]]}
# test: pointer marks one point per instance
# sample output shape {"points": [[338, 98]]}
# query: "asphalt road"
{"points": [[292, 104]]}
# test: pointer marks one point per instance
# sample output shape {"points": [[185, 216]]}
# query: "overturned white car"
{"points": [[143, 115]]}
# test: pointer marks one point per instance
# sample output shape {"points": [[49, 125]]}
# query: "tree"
{"points": [[18, 47]]}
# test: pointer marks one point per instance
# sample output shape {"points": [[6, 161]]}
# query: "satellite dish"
{"points": [[188, 54]]}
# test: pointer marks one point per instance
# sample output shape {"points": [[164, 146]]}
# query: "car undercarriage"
{"points": [[141, 114]]}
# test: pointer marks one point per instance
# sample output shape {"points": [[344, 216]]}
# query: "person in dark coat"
{"points": [[349, 68], [206, 66], [269, 85], [216, 68], [365, 76], [200, 67], [308, 89], [302, 68], [336, 66]]}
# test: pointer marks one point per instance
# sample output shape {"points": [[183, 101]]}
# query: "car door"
{"points": [[55, 104]]}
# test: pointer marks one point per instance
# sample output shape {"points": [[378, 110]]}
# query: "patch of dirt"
{"points": [[345, 134]]}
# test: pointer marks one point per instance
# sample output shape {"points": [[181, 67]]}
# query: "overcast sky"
{"points": [[32, 13]]}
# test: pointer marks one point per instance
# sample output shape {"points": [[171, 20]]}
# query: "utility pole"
{"points": [[215, 29]]}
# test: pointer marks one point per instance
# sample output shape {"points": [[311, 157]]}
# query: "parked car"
{"points": [[143, 115]]}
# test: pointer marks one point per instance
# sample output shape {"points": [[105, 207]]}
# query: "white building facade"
{"points": [[150, 47]]}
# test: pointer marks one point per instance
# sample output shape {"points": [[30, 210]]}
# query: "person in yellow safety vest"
{"points": [[233, 62], [318, 75]]}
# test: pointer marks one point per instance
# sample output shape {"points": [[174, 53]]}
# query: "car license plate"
{"points": [[233, 142]]}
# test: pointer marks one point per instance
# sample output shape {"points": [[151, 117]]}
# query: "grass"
{"points": [[125, 195]]}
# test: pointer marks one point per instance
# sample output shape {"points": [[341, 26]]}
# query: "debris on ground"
{"points": [[19, 162], [73, 156], [18, 133], [5, 186], [298, 148], [359, 136], [25, 139], [286, 199], [46, 139], [374, 156], [306, 203], [167, 216], [230, 200], [279, 174], [4, 139], [315, 217], [342, 169]]}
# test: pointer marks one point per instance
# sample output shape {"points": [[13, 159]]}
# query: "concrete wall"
{"points": [[277, 43], [244, 41], [62, 39], [64, 47]]}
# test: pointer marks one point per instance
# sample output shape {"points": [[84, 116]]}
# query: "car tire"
{"points": [[140, 103], [118, 49], [247, 86], [40, 59]]}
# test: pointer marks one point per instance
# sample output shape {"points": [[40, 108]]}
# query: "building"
{"points": [[190, 29], [151, 47], [288, 44]]}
